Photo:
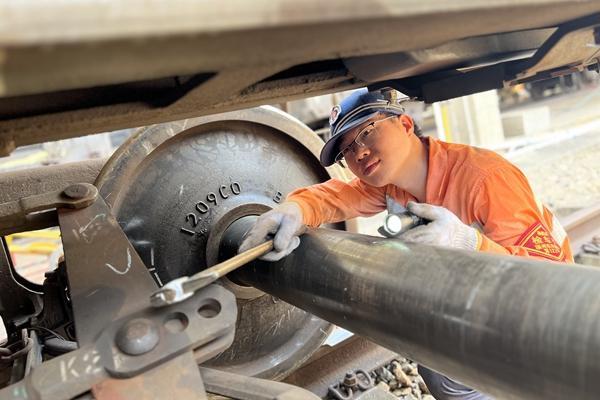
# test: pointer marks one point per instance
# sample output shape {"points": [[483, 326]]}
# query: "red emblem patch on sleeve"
{"points": [[539, 242]]}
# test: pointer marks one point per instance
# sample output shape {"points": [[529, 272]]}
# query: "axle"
{"points": [[511, 327]]}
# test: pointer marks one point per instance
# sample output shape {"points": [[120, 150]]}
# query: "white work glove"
{"points": [[285, 223], [445, 229]]}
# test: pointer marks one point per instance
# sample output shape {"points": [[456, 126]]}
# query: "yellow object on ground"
{"points": [[45, 241]]}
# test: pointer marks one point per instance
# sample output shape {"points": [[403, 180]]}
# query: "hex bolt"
{"points": [[78, 191], [350, 380], [137, 336]]}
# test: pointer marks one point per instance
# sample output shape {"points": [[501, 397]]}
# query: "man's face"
{"points": [[381, 156]]}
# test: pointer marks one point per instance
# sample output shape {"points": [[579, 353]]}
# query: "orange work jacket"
{"points": [[482, 188]]}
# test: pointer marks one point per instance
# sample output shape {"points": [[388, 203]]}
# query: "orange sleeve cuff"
{"points": [[487, 245], [306, 212]]}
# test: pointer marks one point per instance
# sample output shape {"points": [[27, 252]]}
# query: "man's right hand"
{"points": [[284, 223]]}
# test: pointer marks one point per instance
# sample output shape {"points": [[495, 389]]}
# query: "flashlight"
{"points": [[397, 224]]}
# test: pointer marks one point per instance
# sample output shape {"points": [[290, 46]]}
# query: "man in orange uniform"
{"points": [[474, 198]]}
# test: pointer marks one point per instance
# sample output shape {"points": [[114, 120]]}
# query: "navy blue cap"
{"points": [[350, 113]]}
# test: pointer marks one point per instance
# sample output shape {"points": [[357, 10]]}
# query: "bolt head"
{"points": [[137, 337], [350, 379], [78, 191]]}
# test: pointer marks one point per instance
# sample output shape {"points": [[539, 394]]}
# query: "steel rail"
{"points": [[582, 226]]}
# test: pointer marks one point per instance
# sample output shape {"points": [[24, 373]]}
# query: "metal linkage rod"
{"points": [[511, 327]]}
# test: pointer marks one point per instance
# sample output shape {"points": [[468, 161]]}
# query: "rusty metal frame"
{"points": [[16, 185], [111, 303], [125, 71], [39, 211], [48, 178]]}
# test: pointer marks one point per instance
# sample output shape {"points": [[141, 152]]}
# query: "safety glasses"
{"points": [[365, 138]]}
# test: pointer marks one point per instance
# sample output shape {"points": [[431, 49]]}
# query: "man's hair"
{"points": [[417, 130], [416, 127]]}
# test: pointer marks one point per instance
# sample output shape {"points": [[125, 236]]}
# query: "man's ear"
{"points": [[407, 122]]}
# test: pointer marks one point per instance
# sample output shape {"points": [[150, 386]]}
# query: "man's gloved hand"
{"points": [[285, 223], [445, 229]]}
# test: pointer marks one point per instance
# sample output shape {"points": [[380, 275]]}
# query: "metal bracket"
{"points": [[577, 38], [39, 211], [139, 343], [125, 345], [147, 338]]}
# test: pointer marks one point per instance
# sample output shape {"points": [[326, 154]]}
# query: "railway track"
{"points": [[582, 226]]}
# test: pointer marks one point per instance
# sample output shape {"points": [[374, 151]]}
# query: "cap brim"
{"points": [[331, 147]]}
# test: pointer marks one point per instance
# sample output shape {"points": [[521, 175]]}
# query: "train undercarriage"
{"points": [[179, 194]]}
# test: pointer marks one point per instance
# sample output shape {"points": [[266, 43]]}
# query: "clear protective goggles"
{"points": [[365, 138]]}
